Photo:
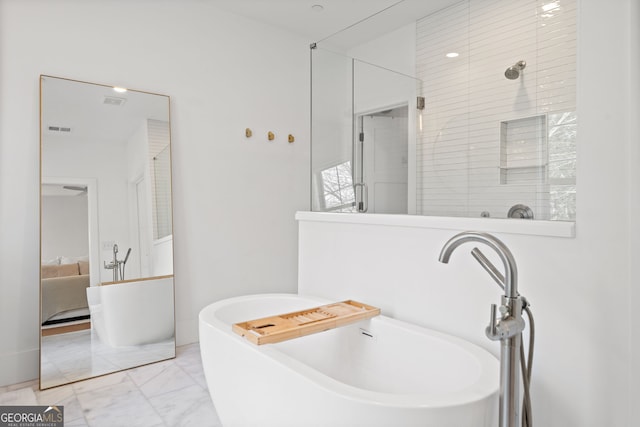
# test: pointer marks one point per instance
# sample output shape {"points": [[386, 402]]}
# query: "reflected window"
{"points": [[562, 135], [337, 188], [160, 172]]}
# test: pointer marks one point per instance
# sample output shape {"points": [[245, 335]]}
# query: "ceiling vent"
{"points": [[114, 100]]}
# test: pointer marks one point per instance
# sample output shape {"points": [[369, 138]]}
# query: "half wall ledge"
{"points": [[491, 225]]}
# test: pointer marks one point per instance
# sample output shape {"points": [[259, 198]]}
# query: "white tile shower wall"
{"points": [[467, 98]]}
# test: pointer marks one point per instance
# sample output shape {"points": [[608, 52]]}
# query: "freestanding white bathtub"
{"points": [[377, 372], [134, 312]]}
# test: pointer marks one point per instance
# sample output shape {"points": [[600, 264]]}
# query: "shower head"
{"points": [[513, 72]]}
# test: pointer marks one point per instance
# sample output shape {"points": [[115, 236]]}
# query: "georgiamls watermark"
{"points": [[32, 416]]}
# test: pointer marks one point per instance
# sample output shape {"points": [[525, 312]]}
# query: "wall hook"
{"points": [[271, 136], [291, 138], [248, 133]]}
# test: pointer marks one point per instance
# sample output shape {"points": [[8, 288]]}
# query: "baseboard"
{"points": [[187, 331], [75, 327], [19, 367]]}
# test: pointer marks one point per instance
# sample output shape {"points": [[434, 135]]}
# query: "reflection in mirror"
{"points": [[363, 136], [162, 194], [107, 299]]}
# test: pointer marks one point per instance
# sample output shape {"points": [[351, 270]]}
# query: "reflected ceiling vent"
{"points": [[114, 100], [59, 129]]}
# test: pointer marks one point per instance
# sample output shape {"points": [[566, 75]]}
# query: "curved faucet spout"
{"points": [[510, 269]]}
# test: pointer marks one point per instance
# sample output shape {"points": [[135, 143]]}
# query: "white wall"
{"points": [[586, 358], [382, 70], [234, 198], [65, 226], [398, 50], [634, 190]]}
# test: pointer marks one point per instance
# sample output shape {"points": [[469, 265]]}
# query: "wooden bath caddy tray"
{"points": [[284, 327]]}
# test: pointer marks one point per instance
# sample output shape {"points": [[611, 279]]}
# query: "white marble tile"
{"points": [[22, 396], [170, 379], [118, 405], [54, 396], [189, 406], [143, 374], [170, 393], [80, 422], [100, 382], [197, 374], [62, 396], [191, 362]]}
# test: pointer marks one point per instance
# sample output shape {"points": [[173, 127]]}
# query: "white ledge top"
{"points": [[496, 225]]}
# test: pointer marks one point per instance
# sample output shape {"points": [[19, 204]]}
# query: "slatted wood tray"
{"points": [[287, 326]]}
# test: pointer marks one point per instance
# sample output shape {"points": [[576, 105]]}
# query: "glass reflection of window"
{"points": [[159, 141], [562, 165], [337, 186], [162, 175]]}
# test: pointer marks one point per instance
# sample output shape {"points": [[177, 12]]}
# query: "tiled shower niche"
{"points": [[523, 151]]}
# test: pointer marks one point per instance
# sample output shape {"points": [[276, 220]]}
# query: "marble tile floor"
{"points": [[78, 355], [172, 393]]}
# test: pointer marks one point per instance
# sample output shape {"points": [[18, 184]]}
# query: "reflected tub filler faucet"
{"points": [[117, 265], [507, 329]]}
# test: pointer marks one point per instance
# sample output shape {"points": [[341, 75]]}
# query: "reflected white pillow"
{"points": [[73, 260], [53, 261]]}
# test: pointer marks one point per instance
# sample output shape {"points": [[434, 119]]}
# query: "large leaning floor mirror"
{"points": [[106, 235]]}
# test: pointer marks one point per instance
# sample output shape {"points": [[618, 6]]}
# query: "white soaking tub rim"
{"points": [[485, 385]]}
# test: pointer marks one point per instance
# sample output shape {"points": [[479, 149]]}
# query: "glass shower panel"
{"points": [[385, 114], [364, 126], [331, 132]]}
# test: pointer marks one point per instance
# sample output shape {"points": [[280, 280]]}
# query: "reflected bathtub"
{"points": [[377, 372], [133, 312]]}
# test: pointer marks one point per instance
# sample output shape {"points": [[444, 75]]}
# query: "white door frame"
{"points": [[94, 226]]}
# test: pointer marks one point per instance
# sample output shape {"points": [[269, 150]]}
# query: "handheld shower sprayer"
{"points": [[124, 264]]}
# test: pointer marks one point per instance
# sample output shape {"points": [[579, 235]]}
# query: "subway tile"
{"points": [[464, 153]]}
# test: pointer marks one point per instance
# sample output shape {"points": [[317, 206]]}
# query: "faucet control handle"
{"points": [[506, 327], [491, 329]]}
